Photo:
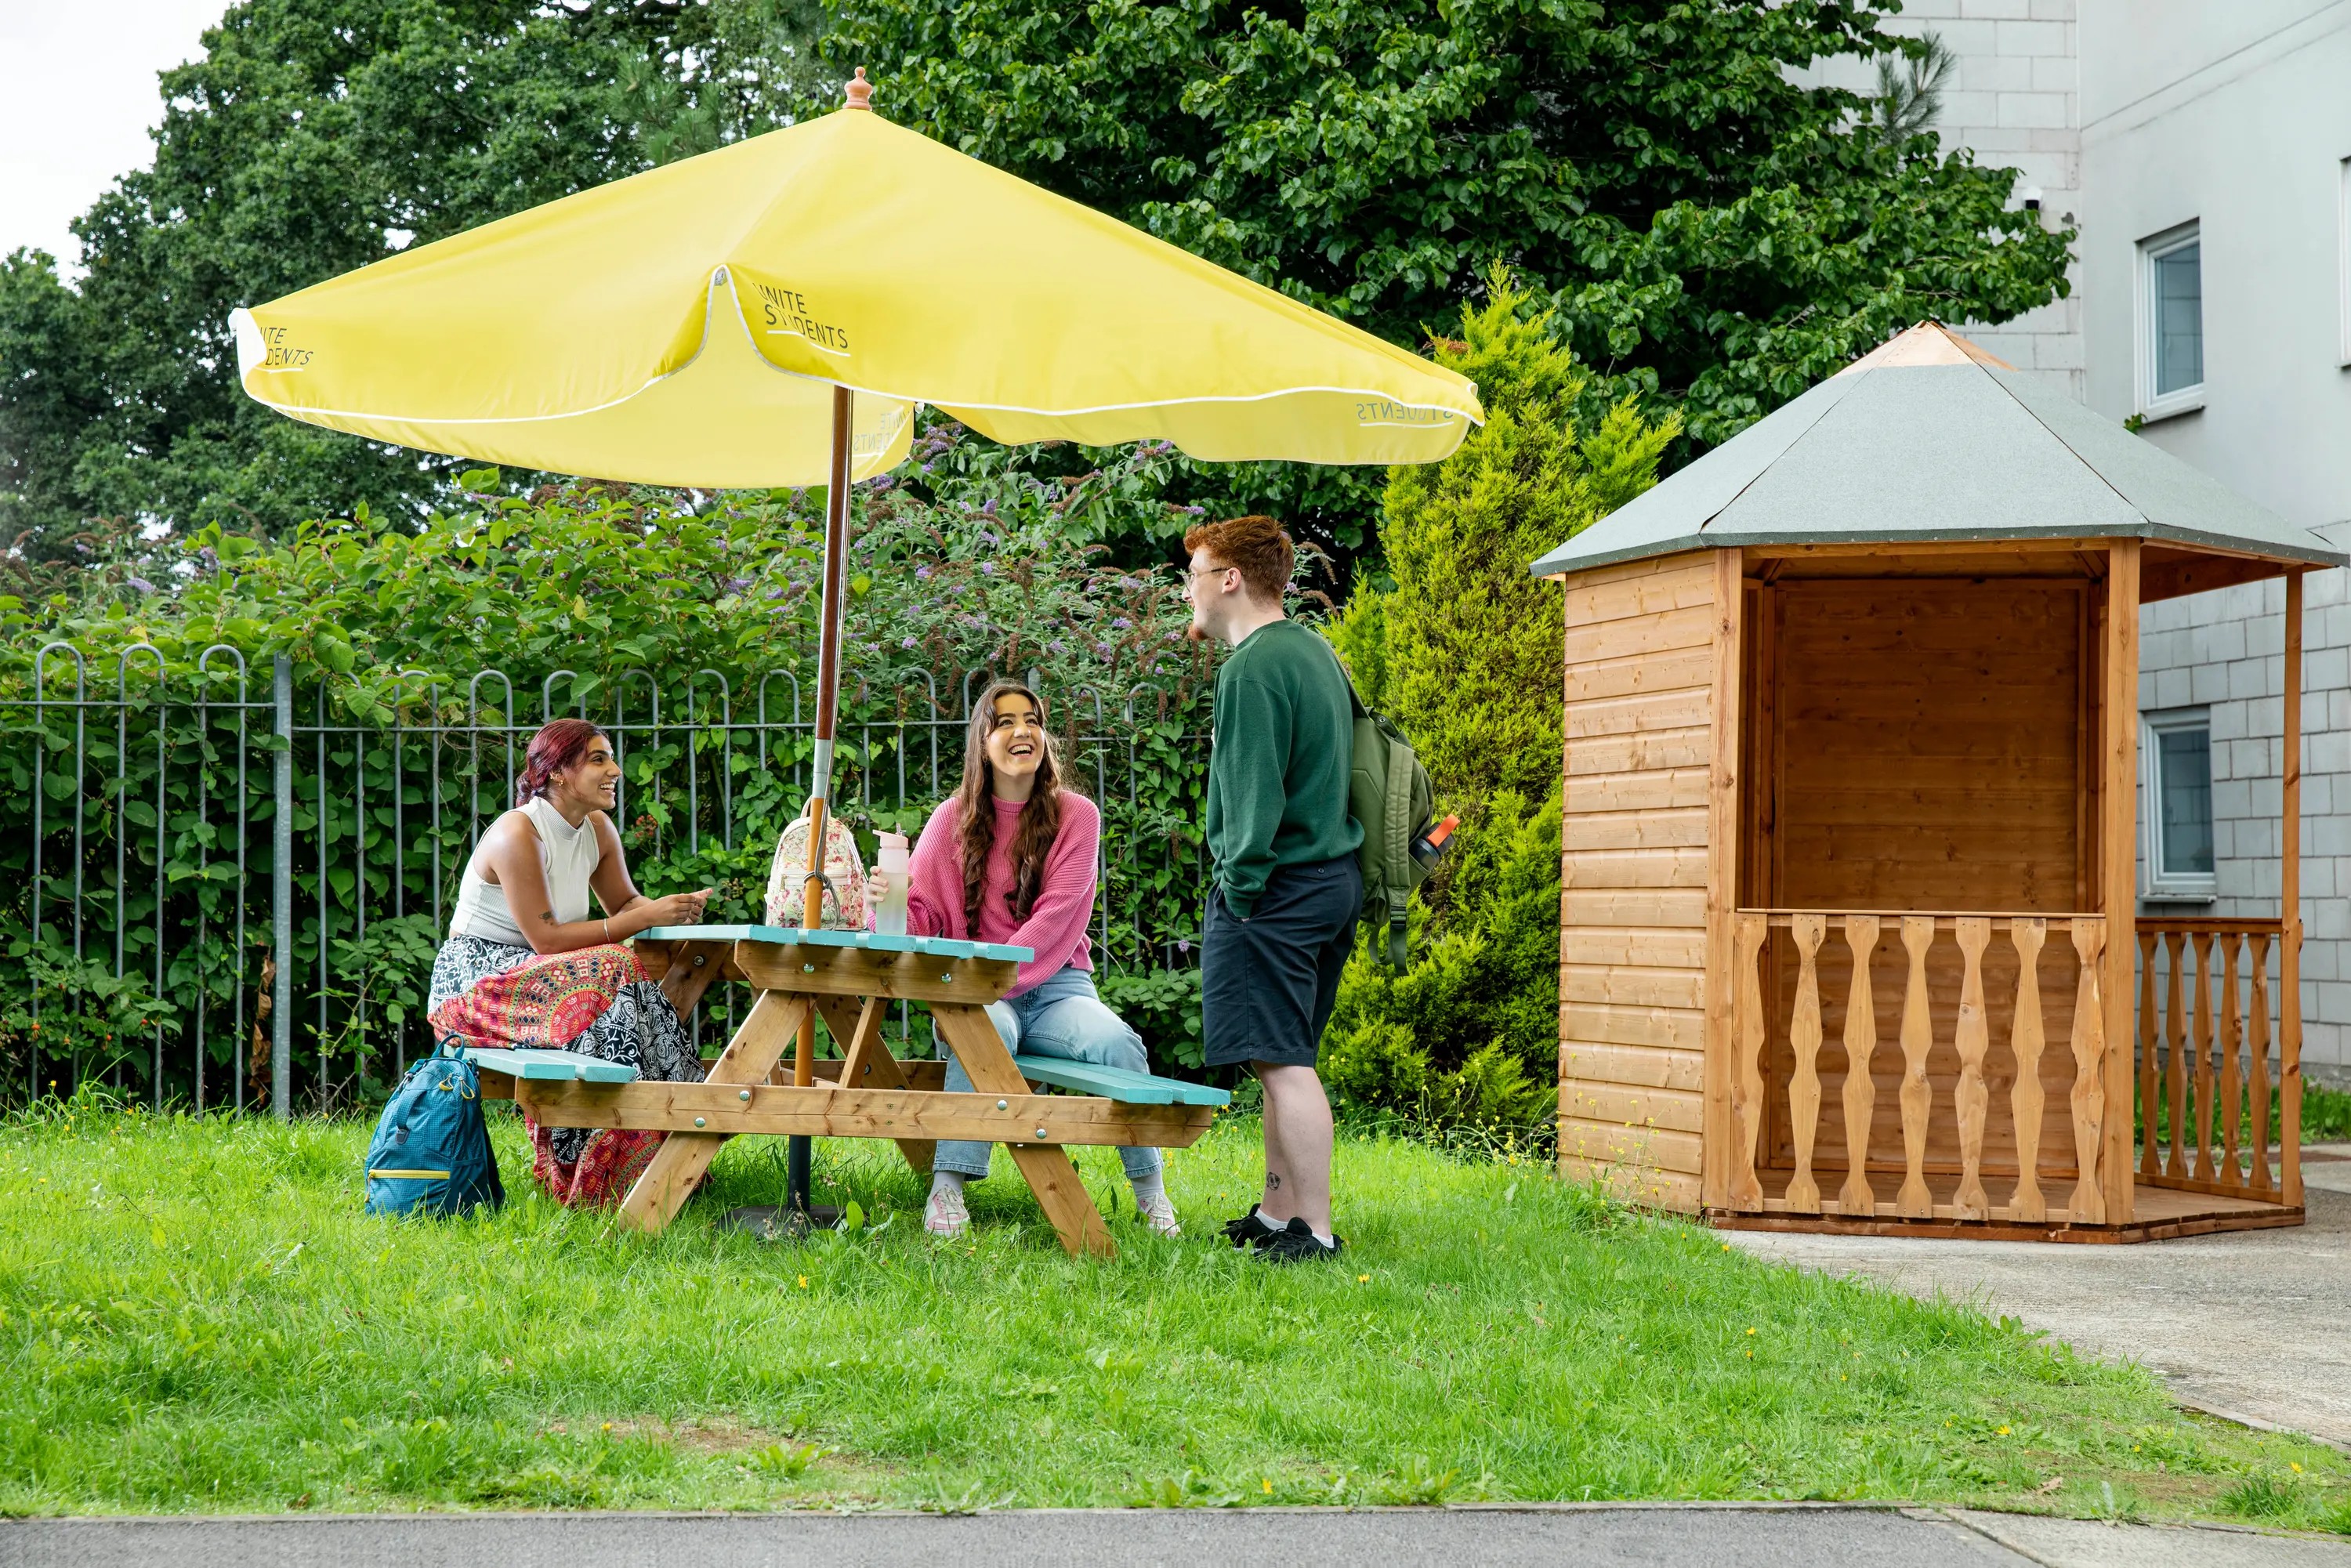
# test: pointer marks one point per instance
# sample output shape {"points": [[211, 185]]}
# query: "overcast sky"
{"points": [[78, 97]]}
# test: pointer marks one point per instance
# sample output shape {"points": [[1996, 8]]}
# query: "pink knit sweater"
{"points": [[1056, 927]]}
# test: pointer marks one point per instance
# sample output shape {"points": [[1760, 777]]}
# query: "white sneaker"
{"points": [[1160, 1216], [945, 1216]]}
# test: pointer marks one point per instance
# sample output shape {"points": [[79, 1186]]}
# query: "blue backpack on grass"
{"points": [[431, 1152]]}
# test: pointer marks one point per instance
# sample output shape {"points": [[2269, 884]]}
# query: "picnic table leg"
{"points": [[866, 1061], [693, 965], [757, 1046], [1051, 1175]]}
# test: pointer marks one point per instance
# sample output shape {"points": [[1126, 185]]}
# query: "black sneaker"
{"points": [[1297, 1243], [1251, 1228]]}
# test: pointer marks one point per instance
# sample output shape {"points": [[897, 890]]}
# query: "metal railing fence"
{"points": [[268, 878]]}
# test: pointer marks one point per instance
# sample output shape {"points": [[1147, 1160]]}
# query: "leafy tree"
{"points": [[1700, 221], [1707, 232], [316, 136]]}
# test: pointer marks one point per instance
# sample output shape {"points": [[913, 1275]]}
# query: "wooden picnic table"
{"points": [[849, 979]]}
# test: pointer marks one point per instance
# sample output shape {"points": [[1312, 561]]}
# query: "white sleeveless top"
{"points": [[569, 856]]}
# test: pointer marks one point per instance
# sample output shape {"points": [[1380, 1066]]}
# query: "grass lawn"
{"points": [[195, 1316]]}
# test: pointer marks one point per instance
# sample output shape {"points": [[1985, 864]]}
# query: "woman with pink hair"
{"points": [[525, 964]]}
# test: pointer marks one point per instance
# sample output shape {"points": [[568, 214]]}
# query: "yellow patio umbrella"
{"points": [[687, 326], [772, 313]]}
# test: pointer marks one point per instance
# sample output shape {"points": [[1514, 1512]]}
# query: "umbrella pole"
{"points": [[828, 693]]}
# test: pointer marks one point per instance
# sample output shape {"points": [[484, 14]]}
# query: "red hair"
{"points": [[1255, 545], [554, 749]]}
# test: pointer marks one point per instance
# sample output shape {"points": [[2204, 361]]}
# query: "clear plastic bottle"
{"points": [[893, 867]]}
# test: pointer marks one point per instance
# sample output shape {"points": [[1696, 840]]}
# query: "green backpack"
{"points": [[1388, 791]]}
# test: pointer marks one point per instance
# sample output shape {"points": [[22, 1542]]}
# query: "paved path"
{"points": [[2254, 1325], [1728, 1536]]}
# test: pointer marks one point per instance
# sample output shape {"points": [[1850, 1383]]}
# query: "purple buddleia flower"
{"points": [[737, 584], [987, 567], [921, 574], [1195, 511], [1183, 944], [1102, 649], [1120, 623], [1058, 646], [141, 583], [988, 537], [908, 643], [210, 559]]}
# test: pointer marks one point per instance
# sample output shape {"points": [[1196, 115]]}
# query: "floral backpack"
{"points": [[845, 877]]}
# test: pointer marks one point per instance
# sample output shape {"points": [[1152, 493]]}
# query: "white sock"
{"points": [[948, 1182], [1149, 1189]]}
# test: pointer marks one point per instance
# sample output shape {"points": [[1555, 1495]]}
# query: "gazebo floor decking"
{"points": [[2159, 1214]]}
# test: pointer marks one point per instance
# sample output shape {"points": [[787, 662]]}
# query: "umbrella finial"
{"points": [[860, 91]]}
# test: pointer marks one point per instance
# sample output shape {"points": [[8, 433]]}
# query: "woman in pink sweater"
{"points": [[1009, 857]]}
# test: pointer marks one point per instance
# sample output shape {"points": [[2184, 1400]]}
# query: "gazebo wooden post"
{"points": [[2119, 867], [2290, 912], [1722, 892]]}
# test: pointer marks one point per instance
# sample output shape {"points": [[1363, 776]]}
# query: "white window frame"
{"points": [[2184, 400], [2159, 884], [2343, 255]]}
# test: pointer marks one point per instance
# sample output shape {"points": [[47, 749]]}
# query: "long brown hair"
{"points": [[1040, 820]]}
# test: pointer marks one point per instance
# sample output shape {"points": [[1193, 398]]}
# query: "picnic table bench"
{"points": [[849, 979]]}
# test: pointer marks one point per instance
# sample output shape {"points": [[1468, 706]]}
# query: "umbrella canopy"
{"points": [[687, 326]]}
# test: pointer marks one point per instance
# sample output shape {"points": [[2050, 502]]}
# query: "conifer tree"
{"points": [[1465, 651]]}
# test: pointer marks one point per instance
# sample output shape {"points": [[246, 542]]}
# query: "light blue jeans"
{"points": [[1059, 1016]]}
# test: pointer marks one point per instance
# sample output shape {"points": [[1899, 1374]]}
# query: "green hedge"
{"points": [[968, 561]]}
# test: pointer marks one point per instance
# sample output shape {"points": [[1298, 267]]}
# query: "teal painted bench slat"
{"points": [[558, 1065], [1116, 1084], [793, 935]]}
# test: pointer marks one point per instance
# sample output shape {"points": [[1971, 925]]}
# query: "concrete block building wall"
{"points": [[2225, 653], [2013, 97]]}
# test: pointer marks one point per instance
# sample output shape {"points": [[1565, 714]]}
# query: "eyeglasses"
{"points": [[1190, 577]]}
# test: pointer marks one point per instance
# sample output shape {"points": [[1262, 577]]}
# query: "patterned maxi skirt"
{"points": [[595, 1001]]}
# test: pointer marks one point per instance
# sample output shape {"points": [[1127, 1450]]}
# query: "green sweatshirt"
{"points": [[1284, 741]]}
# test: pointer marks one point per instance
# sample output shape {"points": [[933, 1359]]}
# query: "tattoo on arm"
{"points": [[548, 916]]}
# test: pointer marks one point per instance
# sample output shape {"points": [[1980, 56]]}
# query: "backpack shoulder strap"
{"points": [[1355, 698]]}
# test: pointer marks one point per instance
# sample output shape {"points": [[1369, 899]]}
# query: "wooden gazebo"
{"points": [[1848, 928]]}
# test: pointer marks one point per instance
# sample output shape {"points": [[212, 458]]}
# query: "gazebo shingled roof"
{"points": [[1929, 438]]}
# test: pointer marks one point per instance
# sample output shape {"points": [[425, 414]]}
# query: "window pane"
{"points": [[2184, 764], [2178, 319]]}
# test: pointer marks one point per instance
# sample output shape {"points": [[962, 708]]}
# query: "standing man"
{"points": [[1286, 890]]}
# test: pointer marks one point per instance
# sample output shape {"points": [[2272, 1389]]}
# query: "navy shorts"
{"points": [[1268, 983]]}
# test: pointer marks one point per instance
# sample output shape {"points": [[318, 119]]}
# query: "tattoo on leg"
{"points": [[1272, 1182]]}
